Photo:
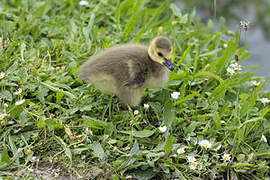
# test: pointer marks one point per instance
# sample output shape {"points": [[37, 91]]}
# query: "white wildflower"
{"points": [[2, 116], [199, 166], [128, 177], [162, 129], [226, 157], [136, 112], [181, 150], [34, 158], [19, 150], [264, 101], [250, 156], [83, 3], [161, 154], [18, 92], [89, 131], [236, 66], [191, 158], [264, 139], [146, 106], [20, 102], [2, 75], [255, 83], [30, 169], [225, 45], [230, 71], [193, 165], [205, 144], [56, 175], [175, 95]]}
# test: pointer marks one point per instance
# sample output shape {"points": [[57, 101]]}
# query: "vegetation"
{"points": [[53, 124]]}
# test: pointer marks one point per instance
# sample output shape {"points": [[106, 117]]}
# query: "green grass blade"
{"points": [[251, 100], [187, 97]]}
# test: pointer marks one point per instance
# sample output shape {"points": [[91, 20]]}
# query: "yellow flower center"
{"points": [[28, 151], [1, 76], [56, 175]]}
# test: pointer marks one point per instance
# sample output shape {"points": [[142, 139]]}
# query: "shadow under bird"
{"points": [[127, 69]]}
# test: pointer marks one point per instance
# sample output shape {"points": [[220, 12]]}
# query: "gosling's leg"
{"points": [[130, 96], [123, 107]]}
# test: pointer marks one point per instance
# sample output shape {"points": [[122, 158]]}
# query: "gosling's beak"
{"points": [[168, 63]]}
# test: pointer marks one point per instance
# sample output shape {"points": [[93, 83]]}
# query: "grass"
{"points": [[66, 127]]}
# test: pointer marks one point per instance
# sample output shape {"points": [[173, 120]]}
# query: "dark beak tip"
{"points": [[168, 63]]}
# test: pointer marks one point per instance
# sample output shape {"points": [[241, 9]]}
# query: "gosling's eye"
{"points": [[160, 54]]}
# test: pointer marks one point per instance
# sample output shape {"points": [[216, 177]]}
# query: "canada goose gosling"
{"points": [[127, 69]]}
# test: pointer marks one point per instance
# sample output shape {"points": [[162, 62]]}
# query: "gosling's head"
{"points": [[160, 50]]}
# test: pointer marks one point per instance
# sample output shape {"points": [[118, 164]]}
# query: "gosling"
{"points": [[127, 69]]}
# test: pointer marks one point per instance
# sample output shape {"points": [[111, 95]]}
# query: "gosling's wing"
{"points": [[138, 73], [136, 81]]}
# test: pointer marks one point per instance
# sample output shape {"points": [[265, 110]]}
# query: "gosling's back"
{"points": [[116, 62]]}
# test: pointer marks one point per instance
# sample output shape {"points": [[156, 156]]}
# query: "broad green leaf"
{"points": [[168, 115], [135, 148], [169, 144], [244, 96], [263, 112], [6, 95], [227, 55], [59, 96], [184, 55], [187, 97], [98, 150], [4, 156], [40, 123], [126, 163], [131, 160], [143, 174], [242, 165], [209, 74], [53, 87], [140, 134], [210, 53], [176, 11], [65, 147], [92, 122], [251, 100]]}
